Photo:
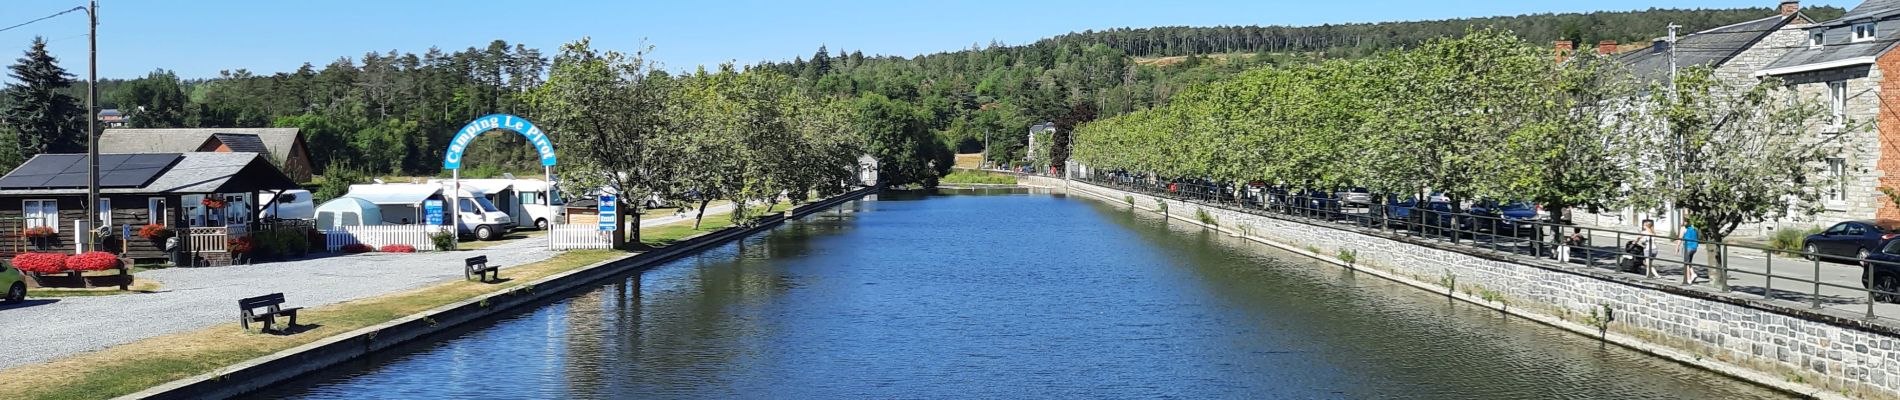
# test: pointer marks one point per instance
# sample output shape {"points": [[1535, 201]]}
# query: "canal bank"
{"points": [[980, 294], [284, 365], [1812, 353]]}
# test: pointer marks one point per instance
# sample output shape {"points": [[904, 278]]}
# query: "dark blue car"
{"points": [[1847, 241], [1514, 218], [1880, 271], [1435, 214]]}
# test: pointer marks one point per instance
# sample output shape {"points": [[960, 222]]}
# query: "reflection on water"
{"points": [[1006, 294]]}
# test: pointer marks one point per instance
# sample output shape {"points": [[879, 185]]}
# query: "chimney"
{"points": [[1563, 51], [1606, 47], [1789, 7]]}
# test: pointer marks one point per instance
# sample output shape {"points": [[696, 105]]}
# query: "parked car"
{"points": [[1881, 271], [15, 282], [1514, 218], [1846, 241], [1355, 197], [1436, 214]]}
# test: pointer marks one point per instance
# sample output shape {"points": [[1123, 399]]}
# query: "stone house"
{"points": [[1735, 52], [1849, 64]]}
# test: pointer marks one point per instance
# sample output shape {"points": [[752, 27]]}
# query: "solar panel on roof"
{"points": [[67, 171]]}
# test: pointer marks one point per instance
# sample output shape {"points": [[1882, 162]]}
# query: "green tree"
{"points": [[606, 109], [45, 119], [155, 101]]}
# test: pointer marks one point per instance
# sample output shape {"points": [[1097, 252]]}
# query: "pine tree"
{"points": [[820, 63], [45, 119]]}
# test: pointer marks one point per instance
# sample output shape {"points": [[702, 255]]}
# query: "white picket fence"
{"points": [[578, 236], [382, 235]]}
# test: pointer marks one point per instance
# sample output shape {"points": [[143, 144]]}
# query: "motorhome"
{"points": [[412, 203], [532, 201], [288, 204]]}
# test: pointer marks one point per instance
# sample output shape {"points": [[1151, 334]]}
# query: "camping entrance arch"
{"points": [[452, 159]]}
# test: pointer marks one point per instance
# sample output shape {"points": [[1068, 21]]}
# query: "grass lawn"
{"points": [[138, 365], [971, 161], [139, 285], [667, 234], [135, 366], [977, 177]]}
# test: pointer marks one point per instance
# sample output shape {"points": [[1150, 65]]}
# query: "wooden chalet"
{"points": [[137, 189]]}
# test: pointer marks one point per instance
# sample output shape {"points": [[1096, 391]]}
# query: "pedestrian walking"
{"points": [[1691, 240], [1648, 241]]}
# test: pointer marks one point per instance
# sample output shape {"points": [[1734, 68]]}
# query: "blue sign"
{"points": [[609, 213], [432, 211], [453, 158]]}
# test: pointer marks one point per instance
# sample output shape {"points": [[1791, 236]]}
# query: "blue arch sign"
{"points": [[453, 158]]}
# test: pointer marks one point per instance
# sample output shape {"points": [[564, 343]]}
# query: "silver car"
{"points": [[1356, 197]]}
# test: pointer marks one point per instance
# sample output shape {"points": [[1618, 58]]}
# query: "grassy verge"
{"points": [[977, 177], [663, 235], [138, 365]]}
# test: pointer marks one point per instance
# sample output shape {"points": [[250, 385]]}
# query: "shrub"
{"points": [[40, 232], [93, 261], [155, 232], [444, 240], [354, 248], [398, 248], [1790, 239], [45, 263]]}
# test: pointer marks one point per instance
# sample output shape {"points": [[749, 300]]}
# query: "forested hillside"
{"points": [[391, 112]]}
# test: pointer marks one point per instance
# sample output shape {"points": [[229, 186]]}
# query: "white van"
{"points": [[481, 218], [407, 203], [529, 200]]}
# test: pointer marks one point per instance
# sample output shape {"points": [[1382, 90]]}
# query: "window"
{"points": [[1817, 38], [155, 211], [351, 219], [467, 206], [1837, 103], [1837, 169], [327, 221], [105, 212], [1864, 31], [41, 213]]}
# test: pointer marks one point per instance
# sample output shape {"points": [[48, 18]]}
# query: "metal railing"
{"points": [[1544, 240]]}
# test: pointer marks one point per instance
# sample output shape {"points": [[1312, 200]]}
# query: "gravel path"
{"points": [[194, 298], [40, 330]]}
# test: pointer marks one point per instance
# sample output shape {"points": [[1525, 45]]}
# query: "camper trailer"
{"points": [[532, 201], [409, 203]]}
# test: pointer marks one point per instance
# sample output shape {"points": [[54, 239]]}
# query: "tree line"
{"points": [[1360, 39], [1488, 116]]}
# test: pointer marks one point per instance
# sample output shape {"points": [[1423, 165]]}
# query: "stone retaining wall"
{"points": [[1808, 353]]}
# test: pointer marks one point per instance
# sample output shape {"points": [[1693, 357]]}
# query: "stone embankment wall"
{"points": [[1800, 351]]}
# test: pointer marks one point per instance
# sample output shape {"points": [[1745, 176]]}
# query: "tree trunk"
{"points": [[702, 212]]}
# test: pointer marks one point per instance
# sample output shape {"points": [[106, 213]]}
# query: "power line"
{"points": [[43, 18]]}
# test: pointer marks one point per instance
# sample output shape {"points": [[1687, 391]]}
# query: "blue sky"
{"points": [[198, 38]]}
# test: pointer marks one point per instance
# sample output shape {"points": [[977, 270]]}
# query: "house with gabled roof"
{"points": [[1849, 63], [285, 146], [208, 194]]}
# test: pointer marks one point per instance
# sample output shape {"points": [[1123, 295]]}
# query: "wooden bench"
{"points": [[271, 304], [479, 269]]}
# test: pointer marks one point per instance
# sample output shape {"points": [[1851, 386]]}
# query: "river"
{"points": [[1008, 296]]}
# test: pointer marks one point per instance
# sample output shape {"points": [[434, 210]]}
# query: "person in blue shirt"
{"points": [[1691, 240]]}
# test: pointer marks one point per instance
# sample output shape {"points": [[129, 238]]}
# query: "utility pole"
{"points": [[986, 150], [92, 128], [1675, 154]]}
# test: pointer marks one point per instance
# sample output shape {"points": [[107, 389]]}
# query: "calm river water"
{"points": [[1008, 296]]}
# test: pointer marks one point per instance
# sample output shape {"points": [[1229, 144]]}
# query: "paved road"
{"points": [[1749, 270], [194, 298]]}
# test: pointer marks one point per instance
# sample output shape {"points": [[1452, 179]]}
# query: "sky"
{"points": [[199, 38]]}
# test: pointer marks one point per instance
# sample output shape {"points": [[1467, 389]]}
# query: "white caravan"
{"points": [[530, 200], [406, 203]]}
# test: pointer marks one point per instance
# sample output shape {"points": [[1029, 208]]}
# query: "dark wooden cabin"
{"points": [[135, 190]]}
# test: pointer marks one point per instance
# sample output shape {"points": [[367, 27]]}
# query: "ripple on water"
{"points": [[1009, 297]]}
